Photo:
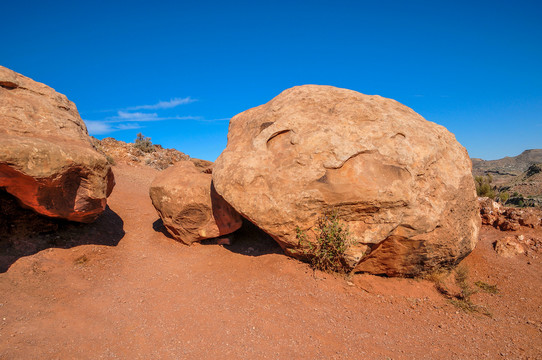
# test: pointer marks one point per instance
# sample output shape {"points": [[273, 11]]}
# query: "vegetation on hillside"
{"points": [[144, 143]]}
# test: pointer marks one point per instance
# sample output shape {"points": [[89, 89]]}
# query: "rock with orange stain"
{"points": [[46, 158], [189, 206], [402, 185]]}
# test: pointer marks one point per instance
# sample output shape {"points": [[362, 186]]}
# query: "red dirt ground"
{"points": [[121, 289]]}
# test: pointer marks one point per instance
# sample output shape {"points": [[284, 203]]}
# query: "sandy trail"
{"points": [[141, 295]]}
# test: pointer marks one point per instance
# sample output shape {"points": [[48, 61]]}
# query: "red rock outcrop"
{"points": [[189, 206], [46, 158], [401, 184], [508, 218]]}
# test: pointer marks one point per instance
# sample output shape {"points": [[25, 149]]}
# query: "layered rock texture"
{"points": [[189, 206], [402, 185], [46, 158]]}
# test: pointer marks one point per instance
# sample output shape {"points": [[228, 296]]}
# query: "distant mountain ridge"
{"points": [[515, 165]]}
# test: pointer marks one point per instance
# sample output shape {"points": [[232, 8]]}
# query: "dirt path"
{"points": [[141, 295]]}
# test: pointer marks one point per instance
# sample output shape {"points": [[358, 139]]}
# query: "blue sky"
{"points": [[177, 71]]}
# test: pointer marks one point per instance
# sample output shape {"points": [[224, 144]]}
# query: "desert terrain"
{"points": [[114, 250], [121, 288]]}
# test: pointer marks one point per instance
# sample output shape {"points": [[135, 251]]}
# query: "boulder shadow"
{"points": [[249, 240], [24, 233], [159, 226]]}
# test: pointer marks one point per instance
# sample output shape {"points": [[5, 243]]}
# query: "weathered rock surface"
{"points": [[46, 158], [508, 218], [402, 184], [490, 211], [509, 246], [189, 206]]}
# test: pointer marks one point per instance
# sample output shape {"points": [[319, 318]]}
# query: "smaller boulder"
{"points": [[531, 218], [509, 246], [489, 211], [506, 224], [189, 206]]}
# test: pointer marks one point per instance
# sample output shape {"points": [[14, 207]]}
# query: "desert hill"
{"points": [[507, 168], [143, 152], [520, 176]]}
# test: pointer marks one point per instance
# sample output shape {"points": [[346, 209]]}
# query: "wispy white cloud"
{"points": [[213, 120], [128, 126], [130, 118], [124, 116], [98, 127], [164, 104]]}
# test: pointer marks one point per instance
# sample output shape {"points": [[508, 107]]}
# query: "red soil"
{"points": [[121, 289]]}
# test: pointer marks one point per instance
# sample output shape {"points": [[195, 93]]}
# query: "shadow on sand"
{"points": [[25, 233], [159, 226], [248, 240]]}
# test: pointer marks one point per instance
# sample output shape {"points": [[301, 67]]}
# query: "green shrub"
{"points": [[483, 186], [327, 251], [144, 143], [504, 196]]}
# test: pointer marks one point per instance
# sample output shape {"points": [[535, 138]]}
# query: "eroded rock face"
{"points": [[402, 184], [189, 206], [46, 158]]}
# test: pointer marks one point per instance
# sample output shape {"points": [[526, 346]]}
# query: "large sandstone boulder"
{"points": [[46, 158], [189, 206], [401, 184]]}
